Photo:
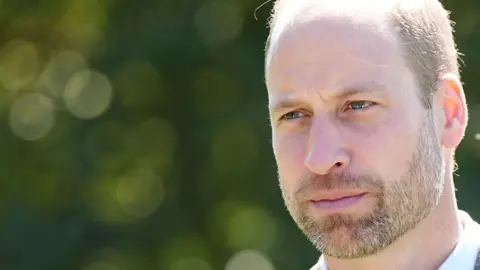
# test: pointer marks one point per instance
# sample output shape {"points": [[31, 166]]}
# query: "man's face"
{"points": [[359, 158]]}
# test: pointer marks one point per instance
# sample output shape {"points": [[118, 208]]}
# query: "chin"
{"points": [[344, 243]]}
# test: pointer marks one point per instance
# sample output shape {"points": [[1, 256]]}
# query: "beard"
{"points": [[399, 205]]}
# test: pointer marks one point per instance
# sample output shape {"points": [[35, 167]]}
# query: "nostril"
{"points": [[338, 164]]}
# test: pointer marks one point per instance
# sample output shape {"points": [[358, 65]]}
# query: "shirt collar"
{"points": [[465, 253]]}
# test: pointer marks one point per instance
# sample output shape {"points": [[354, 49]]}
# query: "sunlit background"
{"points": [[134, 135]]}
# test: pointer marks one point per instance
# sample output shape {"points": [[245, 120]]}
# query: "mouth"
{"points": [[338, 201]]}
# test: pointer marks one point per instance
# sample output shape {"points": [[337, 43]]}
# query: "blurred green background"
{"points": [[135, 135]]}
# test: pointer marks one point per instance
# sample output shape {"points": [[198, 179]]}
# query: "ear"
{"points": [[454, 109]]}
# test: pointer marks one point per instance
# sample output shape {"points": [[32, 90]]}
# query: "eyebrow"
{"points": [[284, 105], [369, 87], [291, 103]]}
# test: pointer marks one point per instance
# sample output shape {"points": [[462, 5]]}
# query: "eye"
{"points": [[292, 115], [359, 105]]}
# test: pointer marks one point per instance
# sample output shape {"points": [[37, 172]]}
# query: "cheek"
{"points": [[290, 155], [385, 149]]}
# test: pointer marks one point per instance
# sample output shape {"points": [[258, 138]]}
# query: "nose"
{"points": [[326, 152]]}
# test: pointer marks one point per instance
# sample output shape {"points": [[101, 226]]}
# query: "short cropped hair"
{"points": [[425, 34]]}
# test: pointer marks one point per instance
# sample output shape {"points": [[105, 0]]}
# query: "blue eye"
{"points": [[359, 105], [292, 115]]}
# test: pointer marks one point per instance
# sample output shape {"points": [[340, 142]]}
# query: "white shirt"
{"points": [[465, 253], [463, 257]]}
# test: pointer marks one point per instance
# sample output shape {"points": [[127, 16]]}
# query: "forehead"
{"points": [[333, 50]]}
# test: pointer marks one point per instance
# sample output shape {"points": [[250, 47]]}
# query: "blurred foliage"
{"points": [[135, 136]]}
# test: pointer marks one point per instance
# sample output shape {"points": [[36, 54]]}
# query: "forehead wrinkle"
{"points": [[368, 43], [361, 44], [288, 75]]}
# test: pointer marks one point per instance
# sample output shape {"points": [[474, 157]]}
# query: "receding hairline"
{"points": [[422, 29], [288, 12], [294, 15]]}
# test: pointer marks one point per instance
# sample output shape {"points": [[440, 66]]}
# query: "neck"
{"points": [[438, 233]]}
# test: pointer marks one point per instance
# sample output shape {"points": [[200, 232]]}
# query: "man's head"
{"points": [[364, 99]]}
